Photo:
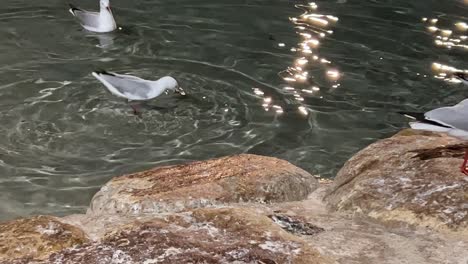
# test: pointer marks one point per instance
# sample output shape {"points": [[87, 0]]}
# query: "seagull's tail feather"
{"points": [[73, 9], [414, 115], [421, 121], [103, 72]]}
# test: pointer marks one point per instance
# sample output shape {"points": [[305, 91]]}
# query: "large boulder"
{"points": [[208, 235], [267, 232], [152, 217], [241, 178], [37, 237], [412, 177]]}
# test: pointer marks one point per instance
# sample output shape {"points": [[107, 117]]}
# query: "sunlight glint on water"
{"points": [[311, 83]]}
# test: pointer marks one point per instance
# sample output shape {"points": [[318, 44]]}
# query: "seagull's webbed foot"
{"points": [[136, 109], [464, 171]]}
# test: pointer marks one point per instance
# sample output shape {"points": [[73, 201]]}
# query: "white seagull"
{"points": [[134, 88], [452, 120], [101, 22]]}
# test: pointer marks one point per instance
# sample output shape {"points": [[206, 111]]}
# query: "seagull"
{"points": [[462, 77], [101, 22], [134, 88], [452, 120]]}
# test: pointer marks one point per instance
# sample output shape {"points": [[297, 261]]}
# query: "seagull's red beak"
{"points": [[109, 9]]}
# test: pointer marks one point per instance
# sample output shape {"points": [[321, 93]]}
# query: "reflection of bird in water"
{"points": [[106, 41], [102, 21], [134, 88], [452, 120], [462, 77]]}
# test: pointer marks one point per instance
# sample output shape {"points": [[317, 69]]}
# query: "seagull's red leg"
{"points": [[463, 168], [136, 109]]}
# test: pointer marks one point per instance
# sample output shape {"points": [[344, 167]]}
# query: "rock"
{"points": [[37, 237], [411, 177], [209, 235], [295, 225], [271, 231], [358, 239], [241, 178], [347, 239]]}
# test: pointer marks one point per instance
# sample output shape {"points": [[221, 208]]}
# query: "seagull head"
{"points": [[105, 4], [171, 84]]}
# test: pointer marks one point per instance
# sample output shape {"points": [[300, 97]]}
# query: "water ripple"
{"points": [[308, 82]]}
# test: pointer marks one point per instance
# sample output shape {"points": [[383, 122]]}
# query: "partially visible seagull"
{"points": [[452, 120], [134, 88], [462, 76], [101, 22]]}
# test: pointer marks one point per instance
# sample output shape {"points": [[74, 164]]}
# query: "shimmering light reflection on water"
{"points": [[311, 83], [449, 38], [311, 27], [445, 72]]}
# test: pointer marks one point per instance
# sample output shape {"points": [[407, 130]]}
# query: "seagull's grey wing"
{"points": [[130, 77], [133, 89], [453, 116], [86, 18]]}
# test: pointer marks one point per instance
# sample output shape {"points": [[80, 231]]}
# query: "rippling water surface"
{"points": [[308, 82]]}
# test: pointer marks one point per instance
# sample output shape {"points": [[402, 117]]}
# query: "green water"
{"points": [[64, 136]]}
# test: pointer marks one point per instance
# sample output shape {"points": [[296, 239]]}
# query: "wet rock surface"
{"points": [[258, 212], [354, 239], [241, 178], [295, 225], [214, 235], [149, 217], [411, 177], [37, 237]]}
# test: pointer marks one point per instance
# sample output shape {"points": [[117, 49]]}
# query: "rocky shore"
{"points": [[400, 200]]}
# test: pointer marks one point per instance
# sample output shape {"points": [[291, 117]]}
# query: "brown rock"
{"points": [[295, 225], [227, 235], [241, 178], [352, 239], [37, 237], [410, 177]]}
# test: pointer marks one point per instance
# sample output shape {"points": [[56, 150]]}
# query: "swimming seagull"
{"points": [[452, 120], [462, 77], [134, 88], [100, 22]]}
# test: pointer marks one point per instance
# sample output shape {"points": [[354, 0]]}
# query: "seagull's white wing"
{"points": [[129, 87]]}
